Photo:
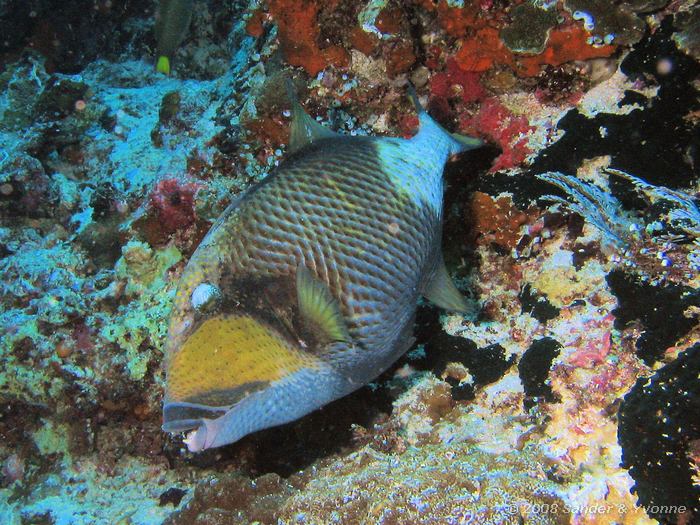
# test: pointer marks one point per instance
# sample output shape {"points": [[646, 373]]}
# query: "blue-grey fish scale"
{"points": [[334, 206]]}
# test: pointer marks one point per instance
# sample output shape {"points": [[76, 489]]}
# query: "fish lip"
{"points": [[203, 437], [181, 425], [181, 416]]}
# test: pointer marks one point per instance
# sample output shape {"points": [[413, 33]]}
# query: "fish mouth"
{"points": [[182, 416], [204, 422]]}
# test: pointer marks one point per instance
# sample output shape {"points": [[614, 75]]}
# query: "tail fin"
{"points": [[163, 65], [458, 143]]}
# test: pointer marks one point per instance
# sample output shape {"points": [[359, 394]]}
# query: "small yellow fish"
{"points": [[306, 287], [172, 21]]}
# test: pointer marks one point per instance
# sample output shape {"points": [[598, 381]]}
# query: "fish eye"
{"points": [[205, 297]]}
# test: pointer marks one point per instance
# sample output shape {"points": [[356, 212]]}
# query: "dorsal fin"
{"points": [[428, 125], [318, 308], [305, 129], [442, 291]]}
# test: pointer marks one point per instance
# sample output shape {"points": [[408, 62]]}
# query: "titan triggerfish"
{"points": [[306, 287]]}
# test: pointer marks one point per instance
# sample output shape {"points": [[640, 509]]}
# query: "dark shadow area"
{"points": [[69, 35], [659, 432], [462, 177], [658, 308], [486, 365], [533, 370]]}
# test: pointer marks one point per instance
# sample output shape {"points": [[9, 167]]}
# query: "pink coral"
{"points": [[13, 468], [173, 202], [597, 345], [454, 81], [606, 379], [593, 353], [83, 338], [509, 131]]}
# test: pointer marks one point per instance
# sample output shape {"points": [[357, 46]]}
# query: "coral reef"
{"points": [[299, 33], [620, 24], [482, 487], [500, 125], [575, 230], [671, 217], [445, 476]]}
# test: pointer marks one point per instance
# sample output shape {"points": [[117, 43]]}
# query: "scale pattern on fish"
{"points": [[306, 287]]}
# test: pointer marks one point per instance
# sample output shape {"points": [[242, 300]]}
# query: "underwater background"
{"points": [[571, 396]]}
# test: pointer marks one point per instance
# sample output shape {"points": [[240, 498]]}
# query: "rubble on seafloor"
{"points": [[572, 397]]}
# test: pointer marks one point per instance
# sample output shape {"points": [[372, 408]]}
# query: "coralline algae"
{"points": [[110, 173]]}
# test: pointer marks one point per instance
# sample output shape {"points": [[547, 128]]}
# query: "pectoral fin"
{"points": [[318, 308], [305, 130], [443, 292]]}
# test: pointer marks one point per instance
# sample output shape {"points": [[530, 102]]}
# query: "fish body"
{"points": [[306, 287], [172, 21]]}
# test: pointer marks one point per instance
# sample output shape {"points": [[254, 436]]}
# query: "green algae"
{"points": [[41, 291], [142, 320], [70, 286], [21, 84], [46, 287], [51, 438]]}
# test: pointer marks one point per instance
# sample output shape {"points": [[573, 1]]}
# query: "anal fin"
{"points": [[442, 291]]}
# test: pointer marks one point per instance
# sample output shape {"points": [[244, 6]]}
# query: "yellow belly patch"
{"points": [[227, 353]]}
